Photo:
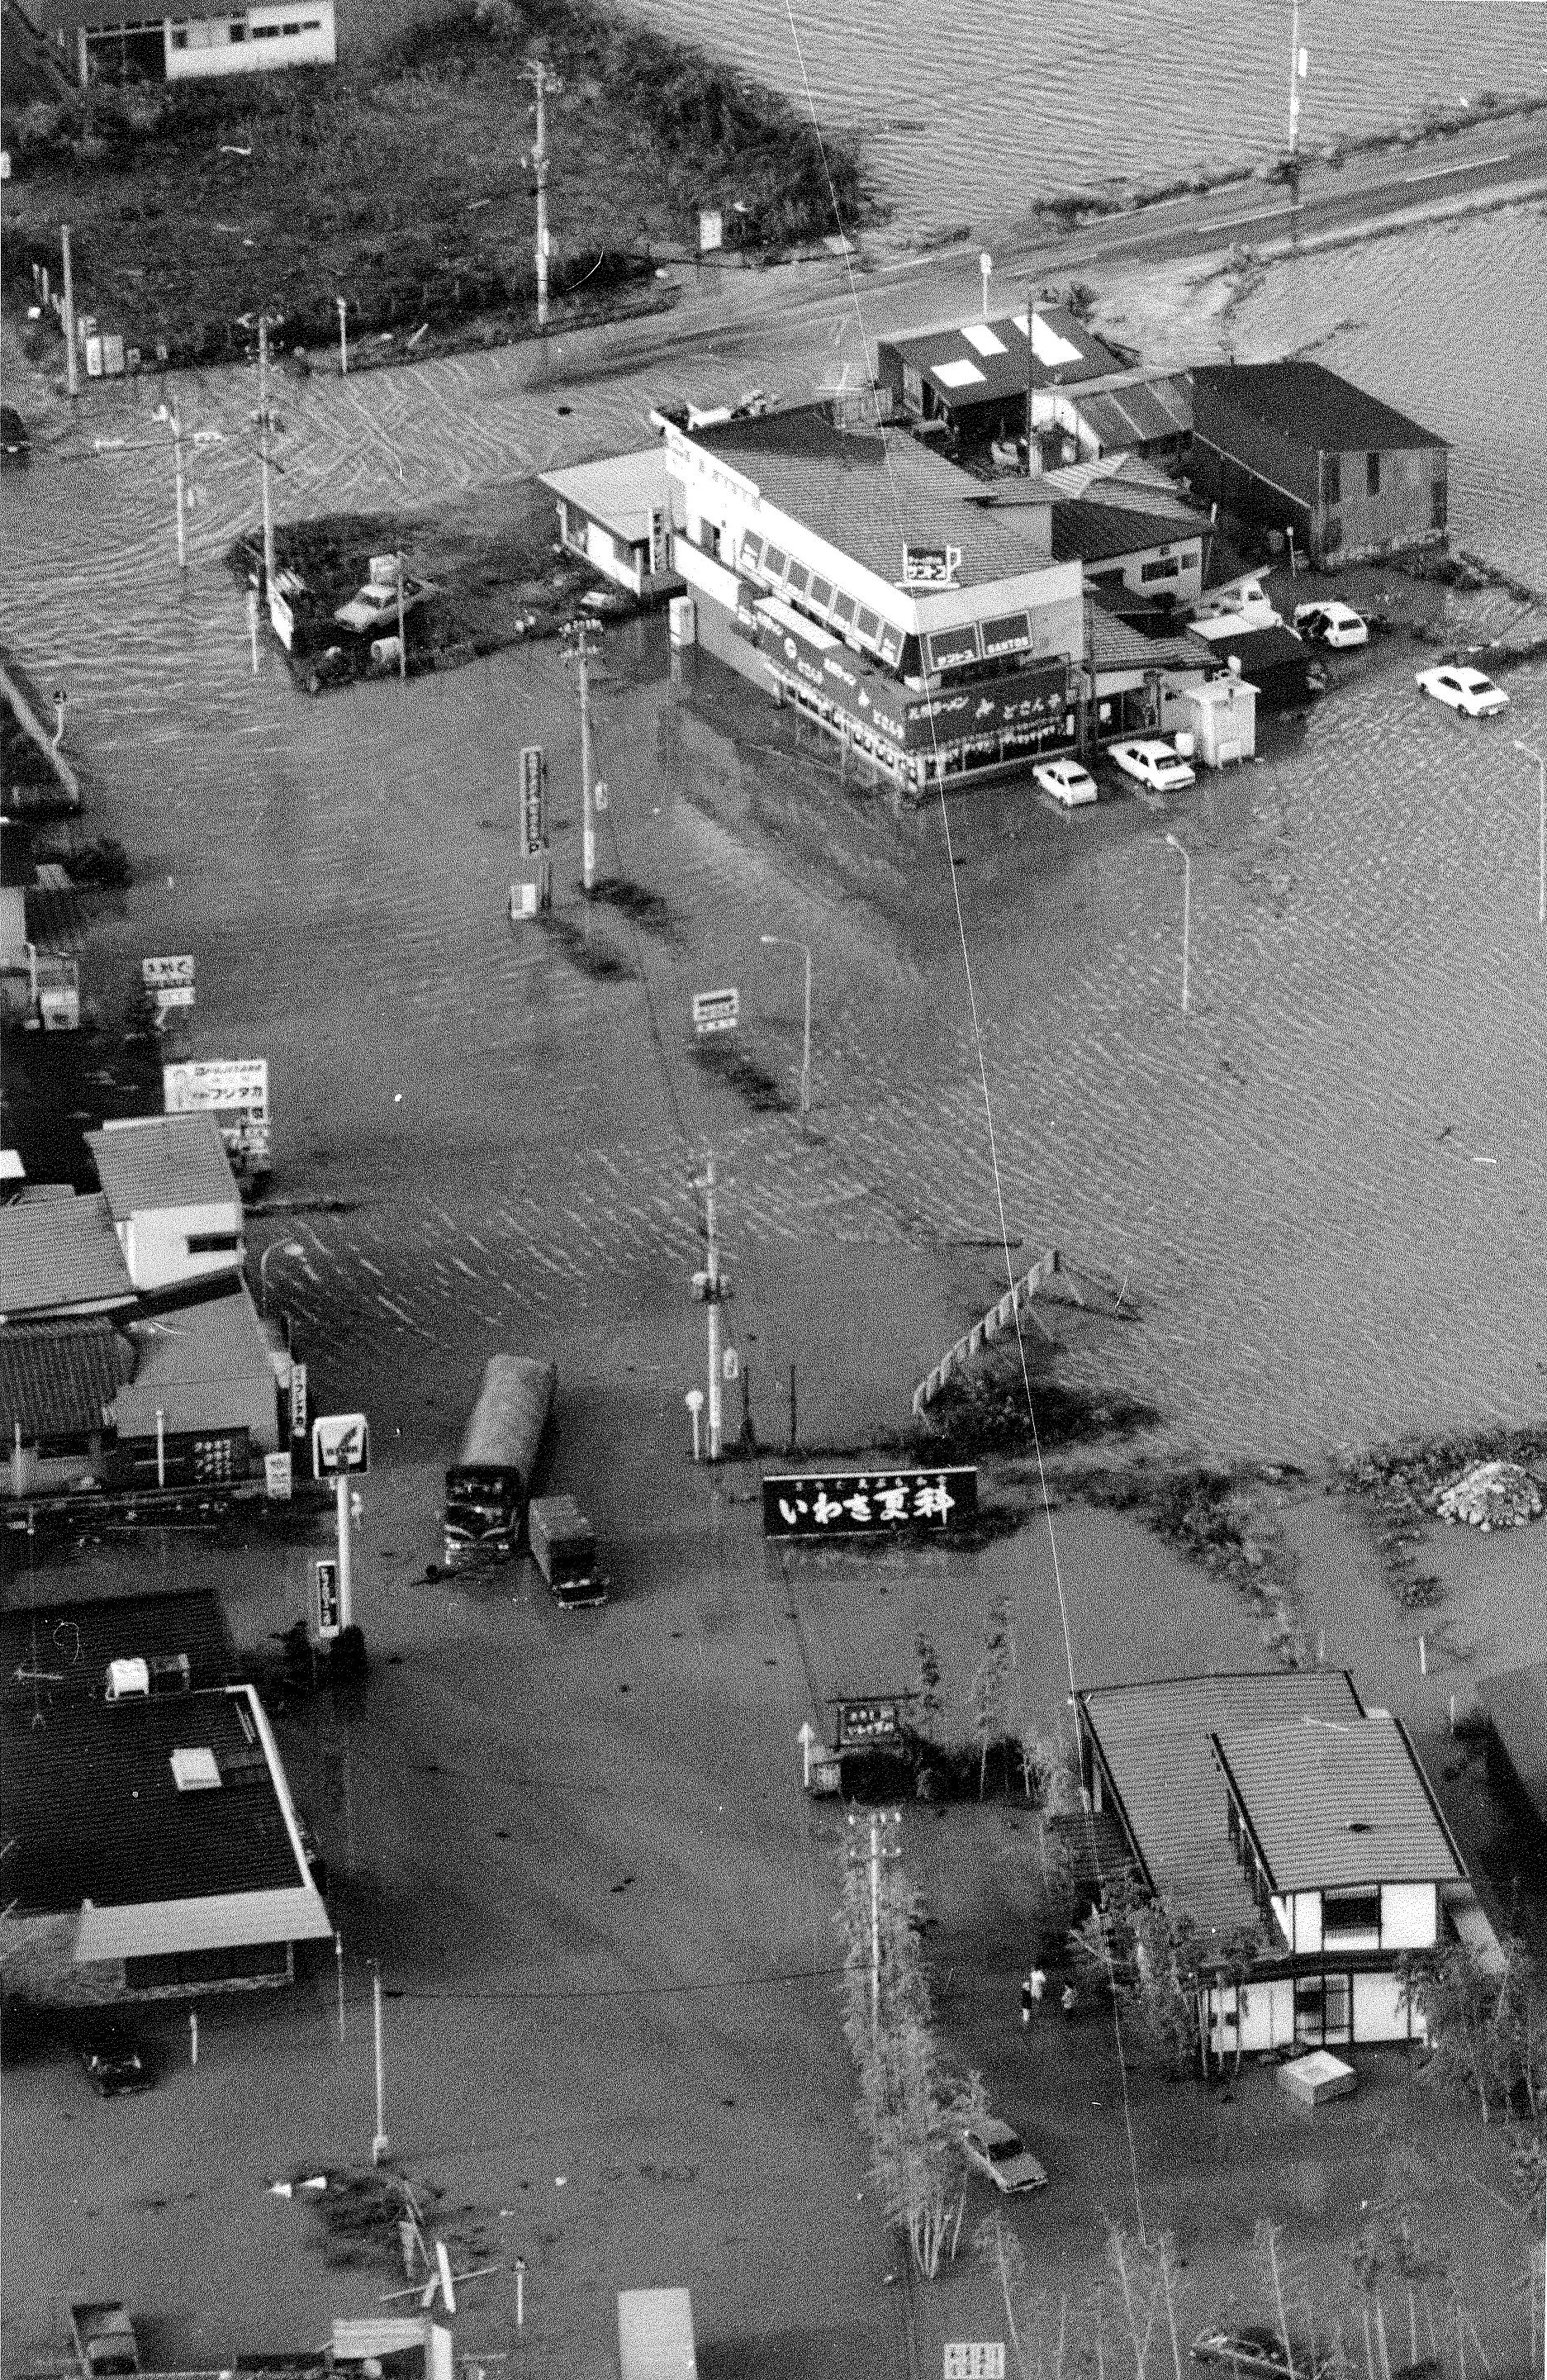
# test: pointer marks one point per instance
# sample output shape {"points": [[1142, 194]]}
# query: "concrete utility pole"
{"points": [[402, 640], [345, 1578], [713, 1288], [1030, 371], [168, 413], [343, 305], [1531, 753], [263, 453], [580, 649], [1187, 912], [379, 2146], [71, 383], [537, 74]]}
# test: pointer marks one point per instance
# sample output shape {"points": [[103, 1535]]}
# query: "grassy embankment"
{"points": [[403, 182]]}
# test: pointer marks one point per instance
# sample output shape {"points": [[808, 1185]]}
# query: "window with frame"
{"points": [[214, 1244], [1347, 1914], [1437, 504], [1166, 569], [1372, 475], [1332, 478]]}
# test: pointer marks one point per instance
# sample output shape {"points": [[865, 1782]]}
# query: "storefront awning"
{"points": [[784, 615]]}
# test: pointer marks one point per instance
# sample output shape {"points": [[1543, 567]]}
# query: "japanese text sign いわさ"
{"points": [[869, 1503]]}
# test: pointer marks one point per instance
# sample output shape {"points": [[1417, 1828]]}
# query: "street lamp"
{"points": [[1187, 910], [1540, 828], [274, 1248], [786, 941]]}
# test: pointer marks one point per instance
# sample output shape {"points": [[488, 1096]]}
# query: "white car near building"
{"points": [[1338, 626], [1154, 763], [1067, 781], [1463, 689]]}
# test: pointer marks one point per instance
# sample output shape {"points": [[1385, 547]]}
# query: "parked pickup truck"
{"points": [[104, 2336], [565, 1550]]}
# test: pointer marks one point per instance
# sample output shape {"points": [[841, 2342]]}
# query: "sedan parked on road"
{"points": [[1463, 689], [1067, 781], [1003, 2155], [113, 2060], [1154, 763], [1337, 624]]}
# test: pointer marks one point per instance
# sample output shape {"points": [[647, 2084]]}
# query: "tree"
{"points": [[1486, 2028], [927, 1683], [1150, 1954], [989, 1693]]}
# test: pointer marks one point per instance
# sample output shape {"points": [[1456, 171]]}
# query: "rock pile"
{"points": [[1491, 1495]]}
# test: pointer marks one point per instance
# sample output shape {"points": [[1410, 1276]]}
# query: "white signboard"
{"points": [[339, 1442], [235, 1089], [157, 975], [283, 617], [976, 2359], [278, 1479], [177, 995], [297, 1400], [712, 229], [716, 1011]]}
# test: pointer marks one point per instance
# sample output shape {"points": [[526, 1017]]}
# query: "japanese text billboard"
{"points": [[869, 1503]]}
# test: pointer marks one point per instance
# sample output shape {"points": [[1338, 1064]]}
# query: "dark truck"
{"points": [[563, 1547], [104, 2340], [487, 1485]]}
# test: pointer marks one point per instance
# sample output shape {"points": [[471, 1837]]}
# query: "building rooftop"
{"points": [[59, 1256], [622, 490], [72, 1643], [57, 1378], [1156, 1739], [869, 492], [1136, 409], [160, 1161], [1337, 1802], [197, 1364], [1121, 477], [1094, 533], [97, 1814], [1314, 407], [985, 363]]}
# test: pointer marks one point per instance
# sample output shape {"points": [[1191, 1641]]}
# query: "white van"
{"points": [[1241, 599]]}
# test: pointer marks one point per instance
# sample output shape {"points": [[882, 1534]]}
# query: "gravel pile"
{"points": [[1491, 1495]]}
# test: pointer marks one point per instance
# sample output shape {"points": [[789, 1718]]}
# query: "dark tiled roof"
{"points": [[57, 1255], [1313, 406], [1337, 1802], [1094, 533], [163, 1161], [96, 1813], [74, 1642], [56, 1378], [1157, 1738], [871, 492]]}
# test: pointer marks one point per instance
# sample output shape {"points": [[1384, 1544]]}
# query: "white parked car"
{"points": [[1154, 763], [1337, 625], [1003, 2155], [1463, 689], [1240, 599], [1067, 781]]}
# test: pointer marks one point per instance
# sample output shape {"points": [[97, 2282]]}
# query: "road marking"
{"points": [[1467, 165]]}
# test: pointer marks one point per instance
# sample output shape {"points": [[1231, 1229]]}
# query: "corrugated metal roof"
{"points": [[1157, 1740], [869, 493], [1315, 407], [56, 1378], [205, 1366], [161, 1162], [622, 490], [985, 363], [1120, 476], [74, 1642], [96, 1815], [59, 1256], [1137, 413], [1337, 1802]]}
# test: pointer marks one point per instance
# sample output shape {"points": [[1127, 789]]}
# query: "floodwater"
{"points": [[976, 125]]}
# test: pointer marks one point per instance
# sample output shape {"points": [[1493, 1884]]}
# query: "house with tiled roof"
{"points": [[203, 1399], [57, 1382], [59, 1253], [174, 1201], [1278, 1802], [1293, 449]]}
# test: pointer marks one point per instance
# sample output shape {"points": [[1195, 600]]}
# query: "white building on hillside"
{"points": [[107, 38]]}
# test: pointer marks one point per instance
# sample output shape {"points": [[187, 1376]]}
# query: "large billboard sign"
{"points": [[870, 1504], [235, 1091]]}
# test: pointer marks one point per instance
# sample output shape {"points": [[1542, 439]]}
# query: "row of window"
{"points": [[809, 592], [238, 29]]}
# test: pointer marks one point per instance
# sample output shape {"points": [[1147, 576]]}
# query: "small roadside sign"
{"points": [[298, 1400], [339, 1442], [974, 2359], [159, 975], [327, 1609], [534, 800], [278, 1479], [716, 1011], [712, 229]]}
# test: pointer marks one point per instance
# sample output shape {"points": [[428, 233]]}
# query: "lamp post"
{"points": [[1540, 828], [274, 1248], [1187, 911], [985, 266], [168, 414], [787, 941]]}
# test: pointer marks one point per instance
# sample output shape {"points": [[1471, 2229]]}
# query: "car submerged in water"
{"points": [[1151, 761]]}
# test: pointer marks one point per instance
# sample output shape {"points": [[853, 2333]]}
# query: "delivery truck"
{"points": [[563, 1547], [488, 1485]]}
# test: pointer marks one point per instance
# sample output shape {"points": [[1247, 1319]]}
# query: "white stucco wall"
{"points": [[301, 35], [1409, 1917], [155, 1245]]}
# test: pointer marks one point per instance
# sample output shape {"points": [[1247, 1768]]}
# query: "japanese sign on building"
{"points": [[930, 565], [869, 1503], [867, 1719], [974, 2359], [235, 1089], [1036, 695]]}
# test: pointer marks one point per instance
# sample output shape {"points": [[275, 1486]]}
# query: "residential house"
{"points": [[619, 515], [59, 1253], [204, 1397], [972, 378], [174, 1201], [1277, 1803], [1293, 450], [57, 1382], [1159, 557]]}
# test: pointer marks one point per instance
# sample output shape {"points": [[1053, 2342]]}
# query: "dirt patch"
{"points": [[985, 1413]]}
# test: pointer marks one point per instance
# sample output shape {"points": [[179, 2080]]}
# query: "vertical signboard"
{"points": [[534, 800], [328, 1610]]}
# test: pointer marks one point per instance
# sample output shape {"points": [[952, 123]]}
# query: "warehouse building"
{"points": [[852, 573], [104, 39], [1292, 451]]}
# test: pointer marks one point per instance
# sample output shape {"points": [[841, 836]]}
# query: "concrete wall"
{"points": [[155, 1245], [1401, 514], [258, 41]]}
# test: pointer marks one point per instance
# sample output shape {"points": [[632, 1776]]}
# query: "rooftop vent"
{"points": [[128, 1682], [195, 1770]]}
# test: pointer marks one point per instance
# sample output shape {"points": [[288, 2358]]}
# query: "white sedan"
{"points": [[1003, 2155], [1337, 624], [1463, 689], [1154, 763], [1067, 781]]}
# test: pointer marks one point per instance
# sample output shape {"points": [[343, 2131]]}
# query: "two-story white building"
{"points": [[105, 39], [1277, 1803], [174, 1201]]}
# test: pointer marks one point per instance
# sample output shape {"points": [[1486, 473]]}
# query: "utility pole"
{"points": [[537, 74], [874, 1924], [379, 2146], [1187, 912], [402, 640], [343, 305], [345, 1582], [579, 649], [713, 1288], [1030, 371], [71, 382], [263, 453], [1299, 67], [169, 414]]}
